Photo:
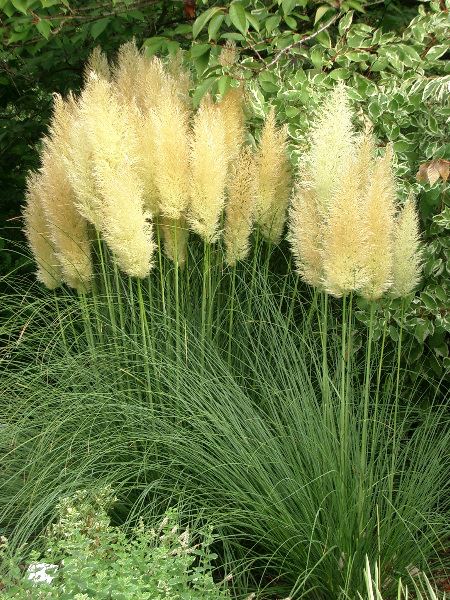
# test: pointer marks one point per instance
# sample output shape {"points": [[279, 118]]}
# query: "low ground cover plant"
{"points": [[84, 557], [188, 355]]}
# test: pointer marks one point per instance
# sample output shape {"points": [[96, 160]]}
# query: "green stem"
{"points": [[367, 377], [205, 293], [145, 338], [396, 405], [58, 316], [324, 335], [161, 272], [231, 314], [252, 282]]}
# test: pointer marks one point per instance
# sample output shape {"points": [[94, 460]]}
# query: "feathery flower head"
{"points": [[232, 111], [380, 199], [68, 230], [180, 76], [239, 206], [169, 122], [228, 54], [38, 235], [97, 63], [209, 166], [332, 145], [306, 230], [119, 201], [126, 71], [274, 180], [407, 258], [345, 238]]}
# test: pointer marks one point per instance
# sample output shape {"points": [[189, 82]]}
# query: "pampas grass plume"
{"points": [[380, 210], [231, 108], [209, 166], [127, 71], [239, 208], [97, 63], [169, 121], [38, 235], [407, 259], [68, 228], [122, 220], [306, 234], [273, 175], [332, 145], [345, 238]]}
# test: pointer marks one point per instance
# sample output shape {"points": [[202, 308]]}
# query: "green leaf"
{"points": [[345, 22], [224, 84], [48, 3], [436, 52], [201, 90], [253, 21], [291, 22], [288, 6], [153, 45], [99, 27], [44, 27], [321, 12], [272, 23], [20, 5], [238, 17], [199, 50], [201, 21], [341, 73], [214, 26], [324, 39]]}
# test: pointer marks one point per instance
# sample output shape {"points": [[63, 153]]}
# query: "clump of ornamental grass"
{"points": [[237, 391], [253, 440], [345, 220]]}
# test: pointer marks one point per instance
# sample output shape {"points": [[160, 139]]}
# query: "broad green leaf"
{"points": [[153, 45], [341, 73], [183, 29], [253, 20], [324, 39], [291, 22], [173, 47], [20, 5], [214, 26], [272, 23], [201, 21], [288, 6], [223, 84], [238, 17], [99, 27], [44, 27]]}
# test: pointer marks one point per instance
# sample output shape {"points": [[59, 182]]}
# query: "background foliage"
{"points": [[290, 53]]}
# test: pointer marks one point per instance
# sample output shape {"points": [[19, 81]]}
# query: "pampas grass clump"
{"points": [[347, 232], [130, 155]]}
